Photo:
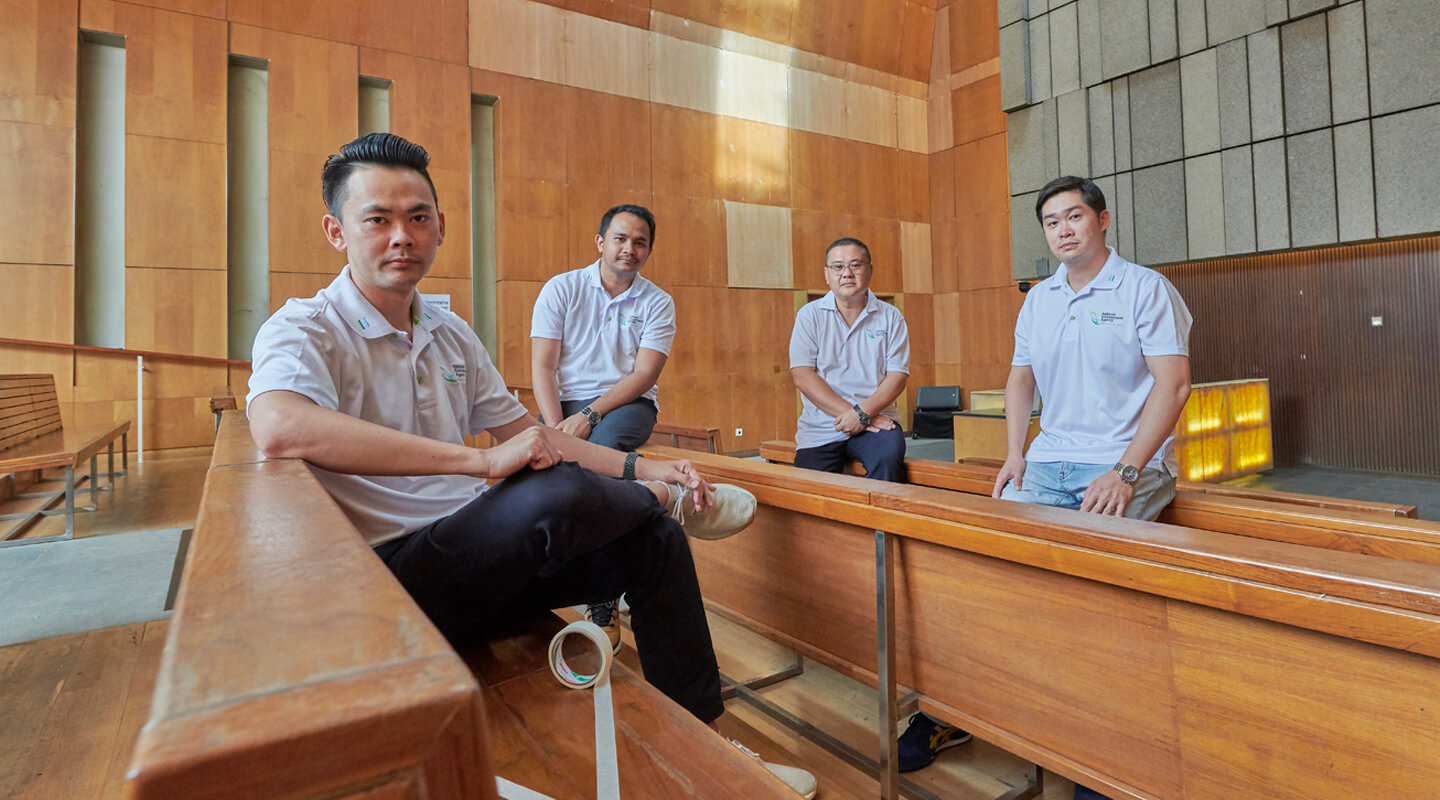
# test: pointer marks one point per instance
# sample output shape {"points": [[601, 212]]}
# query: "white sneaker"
{"points": [[731, 510], [798, 779]]}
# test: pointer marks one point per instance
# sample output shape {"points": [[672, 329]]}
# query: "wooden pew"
{"points": [[297, 667], [1146, 660], [706, 440], [32, 438], [221, 399], [1358, 527]]}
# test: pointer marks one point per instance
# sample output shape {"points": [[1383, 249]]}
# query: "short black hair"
{"points": [[846, 241], [371, 150], [1090, 194], [628, 208]]}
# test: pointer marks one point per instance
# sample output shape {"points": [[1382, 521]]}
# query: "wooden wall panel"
{"points": [[38, 55], [870, 115], [533, 120], [514, 302], [974, 33], [768, 20], [611, 145], [37, 163], [628, 12], [214, 9], [916, 33], [175, 74], [177, 408], [175, 204], [429, 28], [38, 303], [987, 335], [757, 246], [702, 155], [912, 186], [690, 242], [606, 56], [817, 102], [314, 109], [946, 322], [531, 226], [518, 37], [982, 207], [855, 32], [919, 314], [915, 254], [175, 311], [430, 105], [975, 110]]}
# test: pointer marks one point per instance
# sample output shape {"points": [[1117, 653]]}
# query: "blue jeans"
{"points": [[624, 428], [882, 453], [1062, 484]]}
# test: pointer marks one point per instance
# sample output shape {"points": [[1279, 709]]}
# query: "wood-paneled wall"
{"points": [[757, 132]]}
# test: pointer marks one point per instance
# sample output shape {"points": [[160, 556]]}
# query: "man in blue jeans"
{"points": [[1106, 343], [599, 337]]}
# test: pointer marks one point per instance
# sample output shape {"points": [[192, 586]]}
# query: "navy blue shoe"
{"points": [[924, 739], [1086, 793]]}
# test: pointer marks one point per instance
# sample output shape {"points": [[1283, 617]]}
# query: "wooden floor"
{"points": [[72, 706]]}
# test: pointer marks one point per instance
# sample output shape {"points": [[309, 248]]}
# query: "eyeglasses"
{"points": [[854, 267]]}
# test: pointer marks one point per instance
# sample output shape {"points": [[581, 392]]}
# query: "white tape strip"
{"points": [[607, 768], [514, 791]]}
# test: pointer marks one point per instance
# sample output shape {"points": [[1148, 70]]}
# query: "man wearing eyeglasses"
{"points": [[850, 357]]}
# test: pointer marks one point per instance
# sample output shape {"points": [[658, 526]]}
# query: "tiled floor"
{"points": [[1419, 491]]}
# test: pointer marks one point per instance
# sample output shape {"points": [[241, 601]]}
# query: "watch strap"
{"points": [[592, 416], [860, 412], [629, 472]]}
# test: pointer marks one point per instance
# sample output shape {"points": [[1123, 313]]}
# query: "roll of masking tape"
{"points": [[563, 671], [607, 768]]}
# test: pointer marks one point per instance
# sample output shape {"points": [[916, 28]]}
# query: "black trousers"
{"points": [[564, 536], [882, 453]]}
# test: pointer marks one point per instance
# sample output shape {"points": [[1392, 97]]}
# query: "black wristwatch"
{"points": [[1128, 474], [592, 416], [864, 418], [629, 472]]}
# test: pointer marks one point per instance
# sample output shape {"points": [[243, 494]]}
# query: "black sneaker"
{"points": [[607, 616], [925, 738]]}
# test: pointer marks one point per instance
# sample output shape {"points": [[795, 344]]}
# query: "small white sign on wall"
{"points": [[440, 301]]}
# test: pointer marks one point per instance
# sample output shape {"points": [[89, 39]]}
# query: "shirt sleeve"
{"points": [[491, 404], [1022, 332], [804, 350], [659, 331], [1162, 320], [548, 319], [897, 358], [288, 356]]}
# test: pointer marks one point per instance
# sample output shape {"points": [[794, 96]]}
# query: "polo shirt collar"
{"points": [[364, 319], [637, 287], [871, 302], [1110, 276]]}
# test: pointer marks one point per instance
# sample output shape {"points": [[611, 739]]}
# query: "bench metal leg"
{"points": [[885, 645], [94, 480], [69, 500], [125, 453]]}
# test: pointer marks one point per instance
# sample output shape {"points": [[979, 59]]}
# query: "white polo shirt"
{"points": [[852, 359], [600, 335], [337, 350], [1088, 351]]}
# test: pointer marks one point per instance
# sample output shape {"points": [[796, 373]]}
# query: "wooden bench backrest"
{"points": [[29, 408], [295, 665], [1147, 660], [1376, 530]]}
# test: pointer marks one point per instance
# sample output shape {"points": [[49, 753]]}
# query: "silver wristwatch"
{"points": [[860, 412], [591, 416], [1128, 474]]}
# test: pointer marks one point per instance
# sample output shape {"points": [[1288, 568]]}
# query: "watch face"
{"points": [[1129, 474]]}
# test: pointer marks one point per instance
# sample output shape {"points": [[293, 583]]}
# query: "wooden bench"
{"points": [[33, 439], [705, 440], [222, 399], [1146, 660], [1346, 525], [297, 667]]}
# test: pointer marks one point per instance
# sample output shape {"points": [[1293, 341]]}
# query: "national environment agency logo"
{"points": [[1107, 319], [875, 333]]}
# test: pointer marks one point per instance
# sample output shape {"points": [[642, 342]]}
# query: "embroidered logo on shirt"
{"points": [[629, 319], [875, 333], [1107, 319], [448, 377], [459, 370]]}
